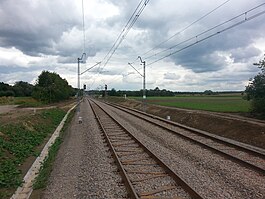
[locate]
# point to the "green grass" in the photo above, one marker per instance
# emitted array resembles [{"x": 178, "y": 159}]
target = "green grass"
[
  {"x": 216, "y": 103},
  {"x": 46, "y": 168},
  {"x": 44, "y": 173},
  {"x": 19, "y": 140},
  {"x": 21, "y": 101},
  {"x": 27, "y": 102}
]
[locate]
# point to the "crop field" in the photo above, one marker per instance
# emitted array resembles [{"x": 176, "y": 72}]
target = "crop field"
[{"x": 216, "y": 103}]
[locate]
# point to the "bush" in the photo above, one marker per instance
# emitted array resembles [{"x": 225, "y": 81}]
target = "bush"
[
  {"x": 256, "y": 90},
  {"x": 51, "y": 87}
]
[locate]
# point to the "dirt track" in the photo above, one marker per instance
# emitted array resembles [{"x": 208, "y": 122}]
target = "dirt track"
[{"x": 7, "y": 108}]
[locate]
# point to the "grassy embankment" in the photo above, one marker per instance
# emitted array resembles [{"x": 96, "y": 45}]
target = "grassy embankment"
[
  {"x": 217, "y": 103},
  {"x": 42, "y": 179},
  {"x": 20, "y": 101},
  {"x": 21, "y": 139}
]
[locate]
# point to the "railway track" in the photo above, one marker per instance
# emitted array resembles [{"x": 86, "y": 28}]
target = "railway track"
[
  {"x": 252, "y": 158},
  {"x": 143, "y": 173}
]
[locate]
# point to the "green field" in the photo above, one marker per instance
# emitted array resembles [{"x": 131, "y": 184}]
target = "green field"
[{"x": 216, "y": 103}]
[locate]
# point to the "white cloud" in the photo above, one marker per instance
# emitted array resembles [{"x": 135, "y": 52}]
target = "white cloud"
[
  {"x": 47, "y": 35},
  {"x": 15, "y": 57}
]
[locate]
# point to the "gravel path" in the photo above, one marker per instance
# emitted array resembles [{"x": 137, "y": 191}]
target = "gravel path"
[
  {"x": 210, "y": 174},
  {"x": 84, "y": 167}
]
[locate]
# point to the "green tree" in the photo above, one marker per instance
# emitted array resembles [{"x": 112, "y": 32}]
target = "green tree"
[
  {"x": 256, "y": 90},
  {"x": 6, "y": 90},
  {"x": 50, "y": 87},
  {"x": 208, "y": 92},
  {"x": 112, "y": 92},
  {"x": 22, "y": 89}
]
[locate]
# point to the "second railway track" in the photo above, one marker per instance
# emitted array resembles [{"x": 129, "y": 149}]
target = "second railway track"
[
  {"x": 144, "y": 174},
  {"x": 250, "y": 158}
]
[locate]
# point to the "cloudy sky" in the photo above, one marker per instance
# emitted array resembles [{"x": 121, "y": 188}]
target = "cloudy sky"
[{"x": 38, "y": 35}]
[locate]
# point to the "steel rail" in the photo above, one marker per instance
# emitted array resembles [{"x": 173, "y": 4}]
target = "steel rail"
[
  {"x": 128, "y": 183},
  {"x": 129, "y": 187},
  {"x": 256, "y": 151},
  {"x": 200, "y": 133}
]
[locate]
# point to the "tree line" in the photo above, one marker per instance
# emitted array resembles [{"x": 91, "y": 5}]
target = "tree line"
[
  {"x": 49, "y": 87},
  {"x": 20, "y": 89},
  {"x": 139, "y": 93}
]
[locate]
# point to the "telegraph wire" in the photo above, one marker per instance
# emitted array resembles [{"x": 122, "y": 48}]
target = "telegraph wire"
[{"x": 218, "y": 32}]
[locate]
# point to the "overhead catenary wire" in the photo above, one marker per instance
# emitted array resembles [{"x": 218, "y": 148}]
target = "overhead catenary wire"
[
  {"x": 218, "y": 32},
  {"x": 132, "y": 20},
  {"x": 188, "y": 26},
  {"x": 84, "y": 35},
  {"x": 204, "y": 32},
  {"x": 136, "y": 14},
  {"x": 90, "y": 68},
  {"x": 245, "y": 19},
  {"x": 135, "y": 69},
  {"x": 122, "y": 30},
  {"x": 182, "y": 30},
  {"x": 198, "y": 40}
]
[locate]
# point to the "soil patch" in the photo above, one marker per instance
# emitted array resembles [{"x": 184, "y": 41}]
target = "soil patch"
[{"x": 7, "y": 108}]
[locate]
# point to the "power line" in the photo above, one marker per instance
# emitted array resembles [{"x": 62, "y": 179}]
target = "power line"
[
  {"x": 218, "y": 32},
  {"x": 84, "y": 35},
  {"x": 237, "y": 23},
  {"x": 90, "y": 68},
  {"x": 136, "y": 14},
  {"x": 212, "y": 35},
  {"x": 194, "y": 22},
  {"x": 123, "y": 30}
]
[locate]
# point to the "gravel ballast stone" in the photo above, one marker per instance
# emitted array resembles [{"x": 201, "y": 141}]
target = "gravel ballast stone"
[
  {"x": 210, "y": 174},
  {"x": 84, "y": 167}
]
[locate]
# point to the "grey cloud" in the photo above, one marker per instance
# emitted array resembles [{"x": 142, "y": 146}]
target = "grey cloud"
[
  {"x": 55, "y": 28},
  {"x": 243, "y": 54},
  {"x": 171, "y": 76},
  {"x": 12, "y": 69},
  {"x": 15, "y": 69},
  {"x": 202, "y": 57},
  {"x": 33, "y": 27}
]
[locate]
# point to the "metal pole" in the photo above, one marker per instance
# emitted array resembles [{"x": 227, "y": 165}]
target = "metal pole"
[
  {"x": 79, "y": 60},
  {"x": 78, "y": 83},
  {"x": 144, "y": 90},
  {"x": 106, "y": 88}
]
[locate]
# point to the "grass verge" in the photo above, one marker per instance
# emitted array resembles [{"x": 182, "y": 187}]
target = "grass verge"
[
  {"x": 20, "y": 139},
  {"x": 46, "y": 168}
]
